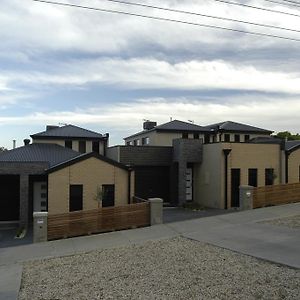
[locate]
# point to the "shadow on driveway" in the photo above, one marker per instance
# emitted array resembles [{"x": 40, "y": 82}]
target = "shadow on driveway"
[
  {"x": 7, "y": 237},
  {"x": 176, "y": 214}
]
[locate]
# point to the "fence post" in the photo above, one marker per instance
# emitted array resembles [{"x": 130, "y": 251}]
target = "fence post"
[
  {"x": 246, "y": 197},
  {"x": 156, "y": 211},
  {"x": 40, "y": 227}
]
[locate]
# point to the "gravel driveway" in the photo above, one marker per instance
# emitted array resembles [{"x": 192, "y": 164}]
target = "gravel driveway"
[{"x": 168, "y": 269}]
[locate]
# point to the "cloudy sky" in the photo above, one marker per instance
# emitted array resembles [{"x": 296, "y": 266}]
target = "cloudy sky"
[{"x": 107, "y": 72}]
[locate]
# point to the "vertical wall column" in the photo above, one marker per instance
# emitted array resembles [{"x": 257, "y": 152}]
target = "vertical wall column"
[
  {"x": 24, "y": 198},
  {"x": 181, "y": 182}
]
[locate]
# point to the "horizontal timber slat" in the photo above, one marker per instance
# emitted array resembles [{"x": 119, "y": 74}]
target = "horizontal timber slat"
[
  {"x": 98, "y": 220},
  {"x": 276, "y": 194}
]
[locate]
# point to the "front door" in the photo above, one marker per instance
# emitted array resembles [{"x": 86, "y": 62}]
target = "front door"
[
  {"x": 189, "y": 184},
  {"x": 235, "y": 187},
  {"x": 40, "y": 196}
]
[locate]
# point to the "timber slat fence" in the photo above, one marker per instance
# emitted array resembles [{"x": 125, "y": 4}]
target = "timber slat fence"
[
  {"x": 98, "y": 220},
  {"x": 276, "y": 194}
]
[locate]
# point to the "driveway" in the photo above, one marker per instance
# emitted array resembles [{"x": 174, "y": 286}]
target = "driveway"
[
  {"x": 177, "y": 214},
  {"x": 7, "y": 237}
]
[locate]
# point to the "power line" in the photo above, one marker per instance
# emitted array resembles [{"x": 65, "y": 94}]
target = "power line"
[
  {"x": 284, "y": 3},
  {"x": 257, "y": 7},
  {"x": 202, "y": 15},
  {"x": 296, "y": 2},
  {"x": 167, "y": 19}
]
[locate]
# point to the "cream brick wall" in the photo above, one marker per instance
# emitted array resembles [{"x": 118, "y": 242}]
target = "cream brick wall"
[
  {"x": 294, "y": 164},
  {"x": 91, "y": 173},
  {"x": 209, "y": 178}
]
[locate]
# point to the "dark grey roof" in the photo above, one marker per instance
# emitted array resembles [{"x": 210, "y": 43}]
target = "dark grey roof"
[
  {"x": 68, "y": 131},
  {"x": 174, "y": 126},
  {"x": 38, "y": 152},
  {"x": 267, "y": 140},
  {"x": 291, "y": 145},
  {"x": 238, "y": 127}
]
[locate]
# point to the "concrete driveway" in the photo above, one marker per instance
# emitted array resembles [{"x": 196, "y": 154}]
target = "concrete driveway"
[{"x": 7, "y": 237}]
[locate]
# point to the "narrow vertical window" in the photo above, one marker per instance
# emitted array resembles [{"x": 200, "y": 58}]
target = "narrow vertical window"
[
  {"x": 82, "y": 146},
  {"x": 226, "y": 137},
  {"x": 252, "y": 177},
  {"x": 269, "y": 176},
  {"x": 108, "y": 195},
  {"x": 76, "y": 197},
  {"x": 237, "y": 138},
  {"x": 95, "y": 147},
  {"x": 247, "y": 137}
]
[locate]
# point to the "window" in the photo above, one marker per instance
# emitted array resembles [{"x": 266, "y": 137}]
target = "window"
[
  {"x": 136, "y": 142},
  {"x": 108, "y": 195},
  {"x": 269, "y": 176},
  {"x": 196, "y": 136},
  {"x": 95, "y": 147},
  {"x": 247, "y": 137},
  {"x": 129, "y": 143},
  {"x": 252, "y": 177},
  {"x": 206, "y": 138},
  {"x": 237, "y": 138},
  {"x": 82, "y": 146},
  {"x": 145, "y": 141},
  {"x": 185, "y": 135},
  {"x": 226, "y": 137},
  {"x": 75, "y": 200},
  {"x": 68, "y": 144}
]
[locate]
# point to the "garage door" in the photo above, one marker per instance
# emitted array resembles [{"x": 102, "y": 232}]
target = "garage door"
[
  {"x": 9, "y": 197},
  {"x": 152, "y": 182}
]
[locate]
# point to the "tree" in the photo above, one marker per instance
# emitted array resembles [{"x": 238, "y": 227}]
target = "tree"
[
  {"x": 288, "y": 135},
  {"x": 2, "y": 149}
]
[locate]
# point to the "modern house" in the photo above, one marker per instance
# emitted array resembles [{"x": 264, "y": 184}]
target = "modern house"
[
  {"x": 49, "y": 176},
  {"x": 69, "y": 168},
  {"x": 183, "y": 162}
]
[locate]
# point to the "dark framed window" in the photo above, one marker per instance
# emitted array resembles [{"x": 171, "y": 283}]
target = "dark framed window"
[
  {"x": 247, "y": 137},
  {"x": 69, "y": 144},
  {"x": 108, "y": 195},
  {"x": 206, "y": 138},
  {"x": 196, "y": 136},
  {"x": 269, "y": 176},
  {"x": 145, "y": 141},
  {"x": 227, "y": 137},
  {"x": 76, "y": 197},
  {"x": 129, "y": 143},
  {"x": 95, "y": 147},
  {"x": 185, "y": 135},
  {"x": 252, "y": 177},
  {"x": 82, "y": 146},
  {"x": 136, "y": 142},
  {"x": 237, "y": 138}
]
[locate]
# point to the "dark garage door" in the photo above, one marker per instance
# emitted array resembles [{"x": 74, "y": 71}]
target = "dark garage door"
[
  {"x": 152, "y": 182},
  {"x": 9, "y": 197}
]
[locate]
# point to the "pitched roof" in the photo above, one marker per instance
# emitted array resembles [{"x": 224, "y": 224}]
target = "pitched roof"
[
  {"x": 85, "y": 156},
  {"x": 234, "y": 126},
  {"x": 38, "y": 152},
  {"x": 292, "y": 145},
  {"x": 174, "y": 126},
  {"x": 67, "y": 131}
]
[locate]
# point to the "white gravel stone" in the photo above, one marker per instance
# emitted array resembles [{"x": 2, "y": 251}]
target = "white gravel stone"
[{"x": 168, "y": 269}]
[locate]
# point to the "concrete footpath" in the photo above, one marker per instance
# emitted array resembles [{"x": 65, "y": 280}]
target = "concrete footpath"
[{"x": 239, "y": 231}]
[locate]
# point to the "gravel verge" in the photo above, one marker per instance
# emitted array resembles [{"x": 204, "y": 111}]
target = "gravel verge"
[
  {"x": 291, "y": 222},
  {"x": 176, "y": 268}
]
